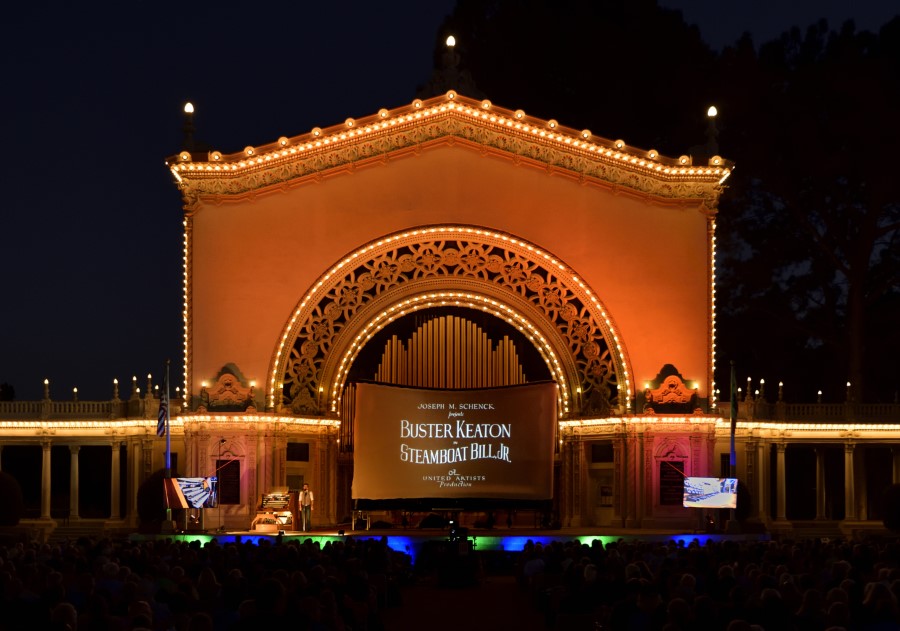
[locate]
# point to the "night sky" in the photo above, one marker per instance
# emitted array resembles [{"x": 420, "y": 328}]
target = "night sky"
[{"x": 92, "y": 105}]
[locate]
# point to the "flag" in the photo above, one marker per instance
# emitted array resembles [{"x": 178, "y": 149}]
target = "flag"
[
  {"x": 162, "y": 421},
  {"x": 734, "y": 415}
]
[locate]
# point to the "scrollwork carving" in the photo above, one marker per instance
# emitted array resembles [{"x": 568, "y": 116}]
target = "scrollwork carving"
[
  {"x": 401, "y": 264},
  {"x": 450, "y": 127}
]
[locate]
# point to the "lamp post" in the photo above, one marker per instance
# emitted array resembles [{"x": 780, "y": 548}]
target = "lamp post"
[{"x": 188, "y": 128}]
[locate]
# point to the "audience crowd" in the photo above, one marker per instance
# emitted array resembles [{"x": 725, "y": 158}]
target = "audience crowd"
[
  {"x": 728, "y": 585},
  {"x": 153, "y": 585},
  {"x": 114, "y": 585}
]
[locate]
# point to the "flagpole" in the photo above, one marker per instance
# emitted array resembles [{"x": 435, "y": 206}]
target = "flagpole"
[
  {"x": 732, "y": 526},
  {"x": 164, "y": 416},
  {"x": 734, "y": 410},
  {"x": 169, "y": 435}
]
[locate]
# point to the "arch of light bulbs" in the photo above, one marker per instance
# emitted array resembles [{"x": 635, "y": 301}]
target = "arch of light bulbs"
[
  {"x": 451, "y": 299},
  {"x": 797, "y": 430},
  {"x": 713, "y": 399},
  {"x": 616, "y": 152},
  {"x": 589, "y": 299}
]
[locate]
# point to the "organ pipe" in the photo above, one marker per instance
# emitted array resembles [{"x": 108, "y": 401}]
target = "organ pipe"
[
  {"x": 445, "y": 352},
  {"x": 450, "y": 352}
]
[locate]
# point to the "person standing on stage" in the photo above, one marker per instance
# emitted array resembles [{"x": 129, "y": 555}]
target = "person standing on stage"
[{"x": 306, "y": 506}]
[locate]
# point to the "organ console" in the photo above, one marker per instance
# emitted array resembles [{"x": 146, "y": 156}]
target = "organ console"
[{"x": 277, "y": 510}]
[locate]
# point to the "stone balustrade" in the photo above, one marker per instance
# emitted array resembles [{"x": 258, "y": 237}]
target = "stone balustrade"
[{"x": 816, "y": 412}]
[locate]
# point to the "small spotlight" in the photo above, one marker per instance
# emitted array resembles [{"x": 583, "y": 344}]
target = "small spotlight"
[{"x": 340, "y": 533}]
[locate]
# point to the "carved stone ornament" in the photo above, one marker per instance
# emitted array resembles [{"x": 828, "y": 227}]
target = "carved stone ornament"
[
  {"x": 320, "y": 336},
  {"x": 227, "y": 395},
  {"x": 447, "y": 120},
  {"x": 672, "y": 396}
]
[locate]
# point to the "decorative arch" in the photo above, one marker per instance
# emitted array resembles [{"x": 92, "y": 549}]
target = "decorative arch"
[
  {"x": 475, "y": 266},
  {"x": 387, "y": 309}
]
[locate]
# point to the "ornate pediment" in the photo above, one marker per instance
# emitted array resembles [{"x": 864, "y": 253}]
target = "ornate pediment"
[
  {"x": 228, "y": 394},
  {"x": 671, "y": 395},
  {"x": 449, "y": 119}
]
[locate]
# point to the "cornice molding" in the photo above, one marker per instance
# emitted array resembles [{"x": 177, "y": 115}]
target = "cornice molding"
[{"x": 447, "y": 120}]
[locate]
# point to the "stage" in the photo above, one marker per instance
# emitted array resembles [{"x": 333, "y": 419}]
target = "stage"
[{"x": 413, "y": 540}]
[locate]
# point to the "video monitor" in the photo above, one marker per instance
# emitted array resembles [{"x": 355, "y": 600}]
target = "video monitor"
[
  {"x": 193, "y": 492},
  {"x": 454, "y": 445},
  {"x": 710, "y": 492}
]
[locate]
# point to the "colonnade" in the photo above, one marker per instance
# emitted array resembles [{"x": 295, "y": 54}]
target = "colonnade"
[
  {"x": 74, "y": 480},
  {"x": 704, "y": 450},
  {"x": 635, "y": 455},
  {"x": 855, "y": 498},
  {"x": 133, "y": 458}
]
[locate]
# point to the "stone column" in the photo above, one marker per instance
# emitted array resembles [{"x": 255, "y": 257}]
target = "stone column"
[
  {"x": 136, "y": 477},
  {"x": 849, "y": 483},
  {"x": 323, "y": 512},
  {"x": 763, "y": 478},
  {"x": 781, "y": 500},
  {"x": 860, "y": 483},
  {"x": 629, "y": 484},
  {"x": 641, "y": 481},
  {"x": 820, "y": 482},
  {"x": 576, "y": 469},
  {"x": 332, "y": 438},
  {"x": 115, "y": 506},
  {"x": 261, "y": 461},
  {"x": 751, "y": 477},
  {"x": 146, "y": 458},
  {"x": 131, "y": 480},
  {"x": 277, "y": 453},
  {"x": 618, "y": 486},
  {"x": 73, "y": 481},
  {"x": 45, "y": 479}
]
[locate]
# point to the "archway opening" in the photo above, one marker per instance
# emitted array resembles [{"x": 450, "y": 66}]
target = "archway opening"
[
  {"x": 452, "y": 347},
  {"x": 448, "y": 347}
]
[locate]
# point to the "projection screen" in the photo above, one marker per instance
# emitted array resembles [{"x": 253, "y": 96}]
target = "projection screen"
[{"x": 413, "y": 443}]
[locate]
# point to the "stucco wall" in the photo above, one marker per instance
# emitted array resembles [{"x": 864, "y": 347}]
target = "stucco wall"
[{"x": 254, "y": 259}]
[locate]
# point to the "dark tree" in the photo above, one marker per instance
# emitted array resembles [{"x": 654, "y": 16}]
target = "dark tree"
[
  {"x": 617, "y": 67},
  {"x": 7, "y": 392},
  {"x": 808, "y": 232},
  {"x": 811, "y": 235}
]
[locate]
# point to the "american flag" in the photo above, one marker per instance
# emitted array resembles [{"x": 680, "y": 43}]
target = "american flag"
[
  {"x": 732, "y": 460},
  {"x": 163, "y": 408}
]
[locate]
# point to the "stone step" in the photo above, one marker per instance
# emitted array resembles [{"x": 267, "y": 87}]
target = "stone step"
[
  {"x": 819, "y": 529},
  {"x": 74, "y": 531}
]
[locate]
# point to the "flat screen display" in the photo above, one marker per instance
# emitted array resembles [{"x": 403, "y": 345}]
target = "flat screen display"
[
  {"x": 193, "y": 492},
  {"x": 415, "y": 443},
  {"x": 710, "y": 492}
]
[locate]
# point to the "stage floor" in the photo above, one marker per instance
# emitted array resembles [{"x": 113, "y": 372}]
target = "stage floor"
[{"x": 412, "y": 540}]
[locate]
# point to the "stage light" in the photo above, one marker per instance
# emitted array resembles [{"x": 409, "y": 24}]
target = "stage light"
[{"x": 454, "y": 531}]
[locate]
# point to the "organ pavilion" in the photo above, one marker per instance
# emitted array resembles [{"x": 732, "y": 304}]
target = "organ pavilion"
[{"x": 451, "y": 244}]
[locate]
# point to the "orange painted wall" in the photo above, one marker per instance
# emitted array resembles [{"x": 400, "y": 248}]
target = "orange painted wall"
[{"x": 254, "y": 260}]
